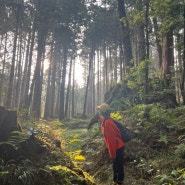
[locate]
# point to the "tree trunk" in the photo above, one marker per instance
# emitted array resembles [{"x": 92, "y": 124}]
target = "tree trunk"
[
  {"x": 93, "y": 108},
  {"x": 73, "y": 93},
  {"x": 168, "y": 60},
  {"x": 125, "y": 33},
  {"x": 105, "y": 69},
  {"x": 25, "y": 71},
  {"x": 98, "y": 78},
  {"x": 159, "y": 48},
  {"x": 147, "y": 49},
  {"x": 19, "y": 75},
  {"x": 2, "y": 77},
  {"x": 48, "y": 92},
  {"x": 12, "y": 70},
  {"x": 121, "y": 62},
  {"x": 62, "y": 88},
  {"x": 183, "y": 73},
  {"x": 26, "y": 95},
  {"x": 68, "y": 90},
  {"x": 141, "y": 43},
  {"x": 19, "y": 13},
  {"x": 53, "y": 79},
  {"x": 36, "y": 107},
  {"x": 88, "y": 79}
]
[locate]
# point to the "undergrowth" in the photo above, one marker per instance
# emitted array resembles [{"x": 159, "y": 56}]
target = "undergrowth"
[
  {"x": 156, "y": 153},
  {"x": 154, "y": 156}
]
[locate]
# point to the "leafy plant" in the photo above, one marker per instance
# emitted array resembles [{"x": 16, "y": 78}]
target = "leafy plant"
[
  {"x": 116, "y": 116},
  {"x": 76, "y": 155},
  {"x": 163, "y": 138},
  {"x": 12, "y": 174},
  {"x": 175, "y": 177},
  {"x": 15, "y": 139},
  {"x": 180, "y": 150}
]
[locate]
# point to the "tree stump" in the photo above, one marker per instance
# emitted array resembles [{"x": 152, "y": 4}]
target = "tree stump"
[{"x": 8, "y": 123}]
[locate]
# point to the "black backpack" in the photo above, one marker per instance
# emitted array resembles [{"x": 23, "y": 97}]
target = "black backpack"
[{"x": 125, "y": 133}]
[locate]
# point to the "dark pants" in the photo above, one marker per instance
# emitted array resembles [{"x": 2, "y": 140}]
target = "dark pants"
[{"x": 118, "y": 170}]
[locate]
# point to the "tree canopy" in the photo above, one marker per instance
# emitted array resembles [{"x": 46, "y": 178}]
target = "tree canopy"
[{"x": 139, "y": 44}]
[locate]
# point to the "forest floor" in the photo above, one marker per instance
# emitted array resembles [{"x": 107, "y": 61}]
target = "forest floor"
[
  {"x": 152, "y": 157},
  {"x": 67, "y": 153}
]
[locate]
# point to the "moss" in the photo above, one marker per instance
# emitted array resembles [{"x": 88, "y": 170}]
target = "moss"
[{"x": 70, "y": 176}]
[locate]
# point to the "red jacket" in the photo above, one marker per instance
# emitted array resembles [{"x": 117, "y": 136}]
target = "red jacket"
[{"x": 112, "y": 136}]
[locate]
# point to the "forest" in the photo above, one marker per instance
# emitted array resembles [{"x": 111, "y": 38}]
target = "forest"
[{"x": 59, "y": 59}]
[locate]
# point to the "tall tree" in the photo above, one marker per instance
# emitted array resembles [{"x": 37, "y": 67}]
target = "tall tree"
[
  {"x": 147, "y": 50},
  {"x": 91, "y": 56},
  {"x": 183, "y": 59},
  {"x": 125, "y": 33},
  {"x": 62, "y": 86},
  {"x": 67, "y": 110},
  {"x": 18, "y": 9},
  {"x": 166, "y": 13},
  {"x": 43, "y": 22}
]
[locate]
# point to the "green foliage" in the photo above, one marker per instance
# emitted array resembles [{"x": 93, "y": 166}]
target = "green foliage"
[
  {"x": 102, "y": 26},
  {"x": 74, "y": 139},
  {"x": 180, "y": 150},
  {"x": 123, "y": 97},
  {"x": 116, "y": 116},
  {"x": 163, "y": 138},
  {"x": 158, "y": 146},
  {"x": 154, "y": 114},
  {"x": 175, "y": 177},
  {"x": 56, "y": 123},
  {"x": 71, "y": 176},
  {"x": 124, "y": 21},
  {"x": 102, "y": 175},
  {"x": 13, "y": 174},
  {"x": 168, "y": 13},
  {"x": 136, "y": 80},
  {"x": 3, "y": 170},
  {"x": 76, "y": 155},
  {"x": 120, "y": 104},
  {"x": 15, "y": 139},
  {"x": 145, "y": 169},
  {"x": 45, "y": 133}
]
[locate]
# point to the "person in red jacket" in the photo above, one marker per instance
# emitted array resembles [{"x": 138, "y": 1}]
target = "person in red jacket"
[{"x": 113, "y": 142}]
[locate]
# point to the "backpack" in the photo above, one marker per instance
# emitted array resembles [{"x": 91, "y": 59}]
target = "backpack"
[{"x": 125, "y": 133}]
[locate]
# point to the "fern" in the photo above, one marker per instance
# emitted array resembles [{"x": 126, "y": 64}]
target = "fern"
[
  {"x": 22, "y": 174},
  {"x": 15, "y": 139}
]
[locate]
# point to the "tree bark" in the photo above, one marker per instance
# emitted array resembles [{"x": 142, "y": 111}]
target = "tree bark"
[
  {"x": 12, "y": 70},
  {"x": 36, "y": 107},
  {"x": 25, "y": 72},
  {"x": 88, "y": 79},
  {"x": 159, "y": 48},
  {"x": 68, "y": 91},
  {"x": 183, "y": 73},
  {"x": 73, "y": 93},
  {"x": 48, "y": 91},
  {"x": 147, "y": 50},
  {"x": 19, "y": 75},
  {"x": 2, "y": 78},
  {"x": 125, "y": 33},
  {"x": 168, "y": 59},
  {"x": 62, "y": 87},
  {"x": 28, "y": 96}
]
